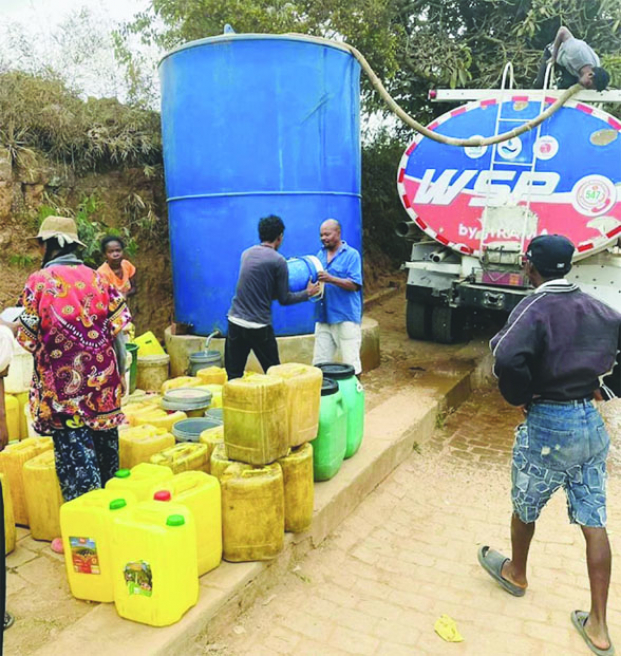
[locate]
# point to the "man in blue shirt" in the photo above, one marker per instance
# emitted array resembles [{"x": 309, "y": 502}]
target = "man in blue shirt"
[{"x": 339, "y": 313}]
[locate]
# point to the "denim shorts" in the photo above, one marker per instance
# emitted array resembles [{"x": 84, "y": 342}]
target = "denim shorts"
[{"x": 561, "y": 444}]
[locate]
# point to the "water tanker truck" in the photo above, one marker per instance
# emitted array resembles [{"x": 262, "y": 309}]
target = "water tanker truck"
[{"x": 479, "y": 207}]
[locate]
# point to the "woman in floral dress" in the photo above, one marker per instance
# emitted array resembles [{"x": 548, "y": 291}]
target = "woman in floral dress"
[{"x": 72, "y": 323}]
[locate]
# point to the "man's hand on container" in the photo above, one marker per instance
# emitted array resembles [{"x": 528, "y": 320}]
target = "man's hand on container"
[{"x": 313, "y": 288}]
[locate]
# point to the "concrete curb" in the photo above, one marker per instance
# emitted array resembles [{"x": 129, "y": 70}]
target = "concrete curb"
[{"x": 392, "y": 428}]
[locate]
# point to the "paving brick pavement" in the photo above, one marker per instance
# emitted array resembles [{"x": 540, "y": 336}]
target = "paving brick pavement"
[{"x": 408, "y": 555}]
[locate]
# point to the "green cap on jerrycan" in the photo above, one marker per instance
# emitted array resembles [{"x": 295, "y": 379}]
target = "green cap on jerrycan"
[
  {"x": 117, "y": 504},
  {"x": 122, "y": 473},
  {"x": 175, "y": 520}
]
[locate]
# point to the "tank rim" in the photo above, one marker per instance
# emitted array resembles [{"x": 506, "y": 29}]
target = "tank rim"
[{"x": 252, "y": 37}]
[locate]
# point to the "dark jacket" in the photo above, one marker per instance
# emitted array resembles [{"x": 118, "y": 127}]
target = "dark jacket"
[{"x": 556, "y": 344}]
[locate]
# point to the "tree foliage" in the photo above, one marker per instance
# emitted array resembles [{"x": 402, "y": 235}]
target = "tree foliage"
[{"x": 414, "y": 45}]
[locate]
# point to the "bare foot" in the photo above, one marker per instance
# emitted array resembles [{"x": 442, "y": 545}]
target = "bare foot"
[
  {"x": 597, "y": 634},
  {"x": 507, "y": 573}
]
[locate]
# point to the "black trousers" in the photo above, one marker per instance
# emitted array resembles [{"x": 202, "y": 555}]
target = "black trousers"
[
  {"x": 240, "y": 341},
  {"x": 563, "y": 77}
]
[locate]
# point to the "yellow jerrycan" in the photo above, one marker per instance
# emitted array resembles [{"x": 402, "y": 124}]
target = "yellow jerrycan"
[
  {"x": 253, "y": 513},
  {"x": 10, "y": 534},
  {"x": 182, "y": 457},
  {"x": 200, "y": 494},
  {"x": 216, "y": 394},
  {"x": 219, "y": 461},
  {"x": 154, "y": 563},
  {"x": 148, "y": 344},
  {"x": 180, "y": 381},
  {"x": 161, "y": 420},
  {"x": 23, "y": 400},
  {"x": 303, "y": 391},
  {"x": 211, "y": 438},
  {"x": 297, "y": 472},
  {"x": 43, "y": 496},
  {"x": 13, "y": 421},
  {"x": 139, "y": 443},
  {"x": 135, "y": 410},
  {"x": 212, "y": 376},
  {"x": 255, "y": 419},
  {"x": 12, "y": 459},
  {"x": 138, "y": 480},
  {"x": 86, "y": 528}
]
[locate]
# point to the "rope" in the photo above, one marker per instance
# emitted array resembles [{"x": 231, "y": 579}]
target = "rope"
[{"x": 450, "y": 141}]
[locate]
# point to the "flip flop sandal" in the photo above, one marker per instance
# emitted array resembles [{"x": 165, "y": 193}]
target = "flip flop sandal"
[
  {"x": 9, "y": 620},
  {"x": 578, "y": 619},
  {"x": 492, "y": 562}
]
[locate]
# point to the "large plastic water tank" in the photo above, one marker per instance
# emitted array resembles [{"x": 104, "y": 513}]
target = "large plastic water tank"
[{"x": 255, "y": 125}]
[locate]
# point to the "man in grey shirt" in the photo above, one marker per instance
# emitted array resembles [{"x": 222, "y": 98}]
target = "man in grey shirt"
[
  {"x": 263, "y": 278},
  {"x": 576, "y": 60}
]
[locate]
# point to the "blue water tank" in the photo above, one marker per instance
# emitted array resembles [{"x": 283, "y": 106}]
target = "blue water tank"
[{"x": 255, "y": 125}]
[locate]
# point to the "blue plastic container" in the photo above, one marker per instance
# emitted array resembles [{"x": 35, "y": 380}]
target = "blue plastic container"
[
  {"x": 301, "y": 269},
  {"x": 255, "y": 125}
]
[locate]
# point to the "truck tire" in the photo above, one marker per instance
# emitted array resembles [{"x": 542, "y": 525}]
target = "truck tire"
[
  {"x": 445, "y": 324},
  {"x": 418, "y": 320}
]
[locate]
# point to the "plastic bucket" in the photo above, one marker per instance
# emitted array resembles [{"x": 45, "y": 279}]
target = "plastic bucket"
[
  {"x": 189, "y": 430},
  {"x": 19, "y": 378},
  {"x": 191, "y": 400},
  {"x": 133, "y": 368},
  {"x": 215, "y": 414},
  {"x": 301, "y": 269},
  {"x": 152, "y": 372},
  {"x": 202, "y": 360}
]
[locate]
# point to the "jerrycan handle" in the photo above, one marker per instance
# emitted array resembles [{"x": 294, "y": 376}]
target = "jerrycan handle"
[
  {"x": 184, "y": 447},
  {"x": 187, "y": 483},
  {"x": 252, "y": 473}
]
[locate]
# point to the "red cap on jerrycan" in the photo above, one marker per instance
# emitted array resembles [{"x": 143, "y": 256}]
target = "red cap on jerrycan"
[{"x": 162, "y": 495}]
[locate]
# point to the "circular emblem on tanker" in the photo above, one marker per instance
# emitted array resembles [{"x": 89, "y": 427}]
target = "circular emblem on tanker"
[
  {"x": 546, "y": 147},
  {"x": 474, "y": 152},
  {"x": 510, "y": 149},
  {"x": 593, "y": 195}
]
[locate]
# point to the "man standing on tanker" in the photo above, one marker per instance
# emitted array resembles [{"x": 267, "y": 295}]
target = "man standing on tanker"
[
  {"x": 549, "y": 359},
  {"x": 263, "y": 278},
  {"x": 339, "y": 313}
]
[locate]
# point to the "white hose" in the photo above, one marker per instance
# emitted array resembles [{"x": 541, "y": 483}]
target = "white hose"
[{"x": 451, "y": 141}]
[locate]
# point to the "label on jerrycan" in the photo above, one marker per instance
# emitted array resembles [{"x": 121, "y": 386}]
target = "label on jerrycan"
[
  {"x": 84, "y": 555},
  {"x": 573, "y": 187}
]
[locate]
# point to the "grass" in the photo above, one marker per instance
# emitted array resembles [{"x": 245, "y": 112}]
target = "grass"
[{"x": 40, "y": 114}]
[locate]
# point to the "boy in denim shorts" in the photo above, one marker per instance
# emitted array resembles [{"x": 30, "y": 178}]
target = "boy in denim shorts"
[{"x": 549, "y": 360}]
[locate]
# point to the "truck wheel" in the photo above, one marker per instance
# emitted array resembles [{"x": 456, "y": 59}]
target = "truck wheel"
[
  {"x": 445, "y": 324},
  {"x": 418, "y": 320}
]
